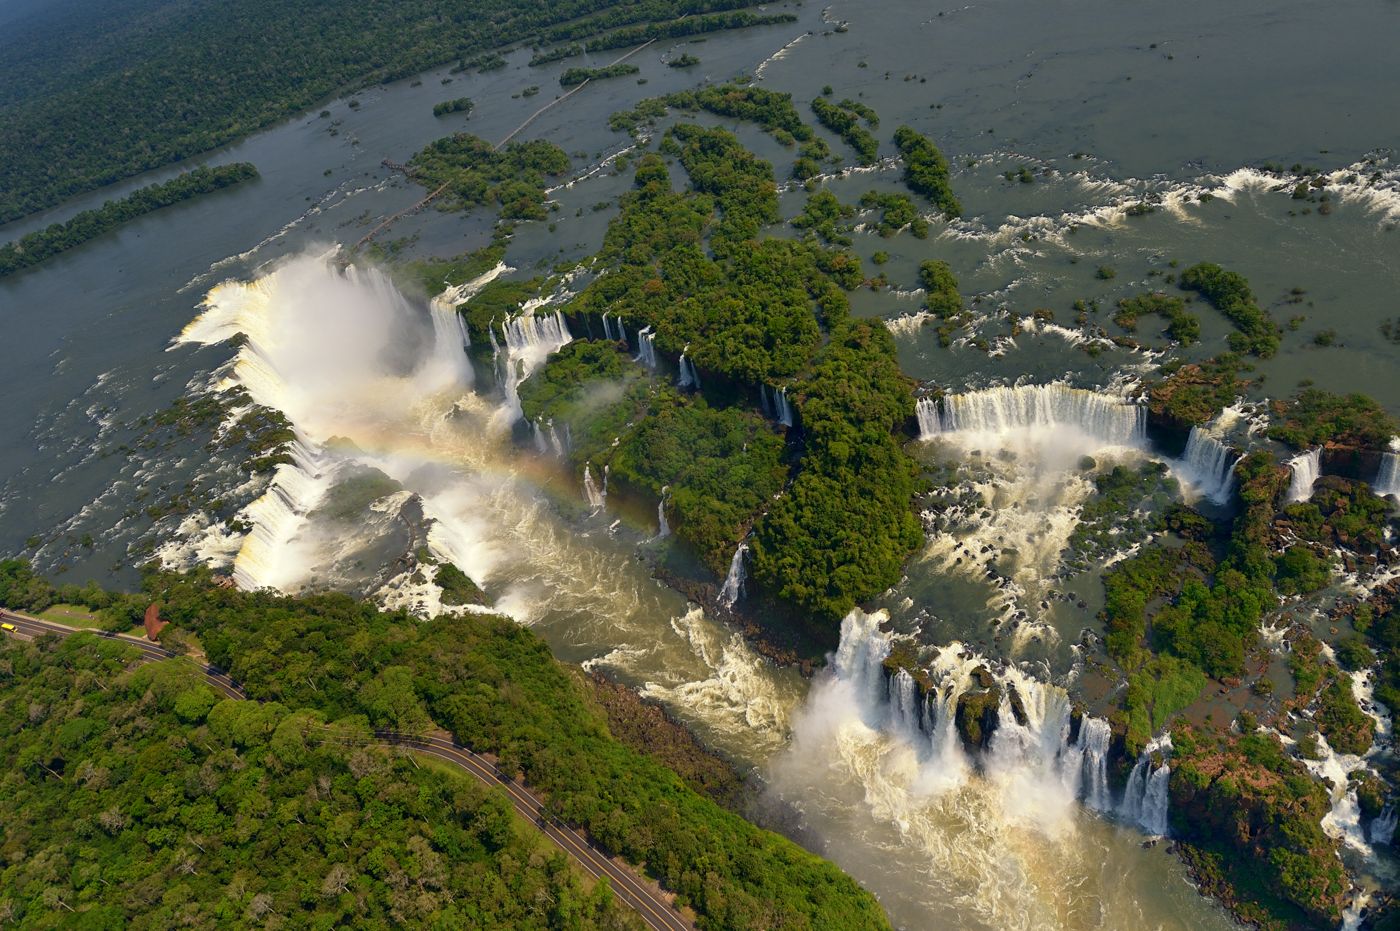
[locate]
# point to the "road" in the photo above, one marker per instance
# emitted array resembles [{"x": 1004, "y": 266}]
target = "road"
[{"x": 643, "y": 898}]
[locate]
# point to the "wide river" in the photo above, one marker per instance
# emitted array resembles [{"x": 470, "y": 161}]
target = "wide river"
[{"x": 1104, "y": 105}]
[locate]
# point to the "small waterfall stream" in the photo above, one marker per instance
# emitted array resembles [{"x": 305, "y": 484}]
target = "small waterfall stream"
[
  {"x": 1306, "y": 469},
  {"x": 733, "y": 587},
  {"x": 646, "y": 353},
  {"x": 596, "y": 499}
]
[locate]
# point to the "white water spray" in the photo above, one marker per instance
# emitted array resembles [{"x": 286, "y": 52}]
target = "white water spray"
[
  {"x": 733, "y": 587},
  {"x": 1306, "y": 469},
  {"x": 1145, "y": 800},
  {"x": 1208, "y": 465}
]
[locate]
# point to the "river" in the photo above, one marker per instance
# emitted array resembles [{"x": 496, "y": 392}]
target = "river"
[{"x": 1106, "y": 107}]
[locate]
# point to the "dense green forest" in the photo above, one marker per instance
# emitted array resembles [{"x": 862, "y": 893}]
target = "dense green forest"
[
  {"x": 770, "y": 312},
  {"x": 573, "y": 77},
  {"x": 1191, "y": 606},
  {"x": 81, "y": 107},
  {"x": 59, "y": 237},
  {"x": 496, "y": 687},
  {"x": 134, "y": 794},
  {"x": 476, "y": 173}
]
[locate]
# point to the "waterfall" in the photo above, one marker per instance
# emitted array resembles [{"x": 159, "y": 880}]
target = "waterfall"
[
  {"x": 1145, "y": 799},
  {"x": 541, "y": 444},
  {"x": 1383, "y": 827},
  {"x": 1208, "y": 464},
  {"x": 663, "y": 529},
  {"x": 450, "y": 342},
  {"x": 560, "y": 446},
  {"x": 689, "y": 378},
  {"x": 930, "y": 422},
  {"x": 1306, "y": 469},
  {"x": 1045, "y": 409},
  {"x": 590, "y": 490},
  {"x": 1087, "y": 763},
  {"x": 734, "y": 581},
  {"x": 606, "y": 469},
  {"x": 782, "y": 408},
  {"x": 1388, "y": 478},
  {"x": 646, "y": 353},
  {"x": 529, "y": 339}
]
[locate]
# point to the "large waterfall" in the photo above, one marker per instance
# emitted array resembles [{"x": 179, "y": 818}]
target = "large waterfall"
[
  {"x": 321, "y": 345},
  {"x": 1145, "y": 799},
  {"x": 930, "y": 420},
  {"x": 1036, "y": 769},
  {"x": 1388, "y": 476},
  {"x": 663, "y": 529},
  {"x": 529, "y": 339},
  {"x": 1042, "y": 412},
  {"x": 1208, "y": 465},
  {"x": 733, "y": 586},
  {"x": 688, "y": 377},
  {"x": 1382, "y": 829},
  {"x": 1306, "y": 469}
]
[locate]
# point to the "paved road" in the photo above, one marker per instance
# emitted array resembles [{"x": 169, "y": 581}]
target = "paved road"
[
  {"x": 646, "y": 900},
  {"x": 34, "y": 627}
]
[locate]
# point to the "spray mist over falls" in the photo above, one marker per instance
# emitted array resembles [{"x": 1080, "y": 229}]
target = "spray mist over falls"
[
  {"x": 993, "y": 838},
  {"x": 998, "y": 837},
  {"x": 392, "y": 440}
]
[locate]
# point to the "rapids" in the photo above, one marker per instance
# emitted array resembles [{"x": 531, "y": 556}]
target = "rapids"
[{"x": 1001, "y": 839}]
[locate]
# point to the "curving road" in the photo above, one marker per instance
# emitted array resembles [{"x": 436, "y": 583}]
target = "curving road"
[{"x": 646, "y": 900}]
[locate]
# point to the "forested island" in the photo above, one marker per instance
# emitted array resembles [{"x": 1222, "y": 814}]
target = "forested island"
[
  {"x": 35, "y": 247},
  {"x": 189, "y": 80}
]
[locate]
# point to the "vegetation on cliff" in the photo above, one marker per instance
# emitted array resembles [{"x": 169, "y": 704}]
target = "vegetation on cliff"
[
  {"x": 494, "y": 685},
  {"x": 1194, "y": 394},
  {"x": 35, "y": 247},
  {"x": 772, "y": 312},
  {"x": 1315, "y": 417},
  {"x": 136, "y": 795}
]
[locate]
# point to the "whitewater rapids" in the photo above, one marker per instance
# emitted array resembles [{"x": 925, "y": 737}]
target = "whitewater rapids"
[{"x": 369, "y": 380}]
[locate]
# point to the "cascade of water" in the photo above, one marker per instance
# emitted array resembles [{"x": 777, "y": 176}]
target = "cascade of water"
[
  {"x": 1388, "y": 476},
  {"x": 1306, "y": 469},
  {"x": 663, "y": 529},
  {"x": 606, "y": 469},
  {"x": 1086, "y": 763},
  {"x": 450, "y": 342},
  {"x": 622, "y": 334},
  {"x": 930, "y": 421},
  {"x": 1383, "y": 827},
  {"x": 1105, "y": 418},
  {"x": 1208, "y": 464},
  {"x": 541, "y": 444},
  {"x": 560, "y": 446},
  {"x": 782, "y": 407},
  {"x": 1145, "y": 799},
  {"x": 688, "y": 378},
  {"x": 646, "y": 353},
  {"x": 529, "y": 339},
  {"x": 590, "y": 490},
  {"x": 734, "y": 582}
]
